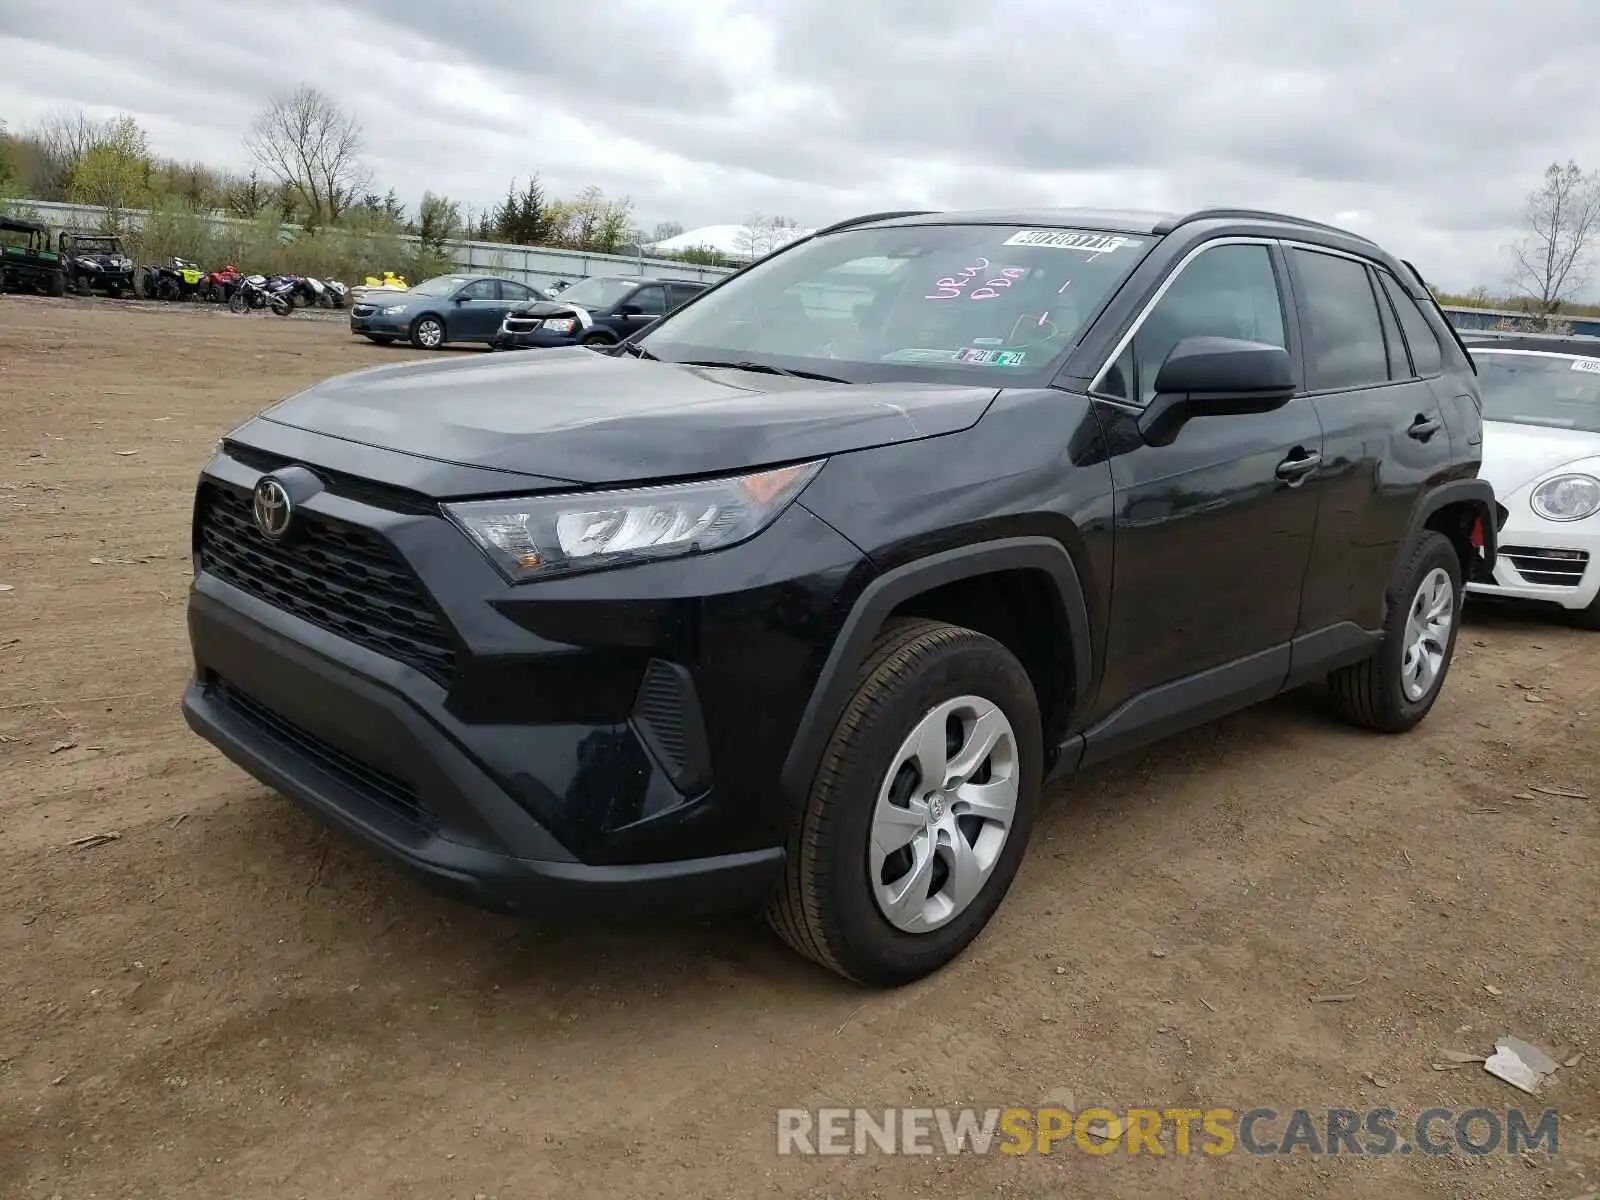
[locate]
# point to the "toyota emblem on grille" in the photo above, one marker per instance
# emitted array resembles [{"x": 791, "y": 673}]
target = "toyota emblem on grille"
[{"x": 272, "y": 509}]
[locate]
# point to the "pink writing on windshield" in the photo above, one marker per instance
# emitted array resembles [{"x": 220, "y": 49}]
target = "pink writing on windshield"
[{"x": 953, "y": 287}]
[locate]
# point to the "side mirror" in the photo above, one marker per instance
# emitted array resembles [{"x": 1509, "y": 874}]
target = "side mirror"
[
  {"x": 1214, "y": 377},
  {"x": 629, "y": 310}
]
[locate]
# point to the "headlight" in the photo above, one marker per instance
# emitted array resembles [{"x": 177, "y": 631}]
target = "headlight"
[
  {"x": 561, "y": 324},
  {"x": 538, "y": 537},
  {"x": 1567, "y": 498},
  {"x": 392, "y": 310}
]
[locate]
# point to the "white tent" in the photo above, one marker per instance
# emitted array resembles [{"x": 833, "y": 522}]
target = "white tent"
[{"x": 732, "y": 241}]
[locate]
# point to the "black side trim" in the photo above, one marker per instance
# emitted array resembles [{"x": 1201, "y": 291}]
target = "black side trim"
[
  {"x": 668, "y": 719},
  {"x": 893, "y": 588},
  {"x": 1185, "y": 703},
  {"x": 1313, "y": 655},
  {"x": 1458, "y": 491}
]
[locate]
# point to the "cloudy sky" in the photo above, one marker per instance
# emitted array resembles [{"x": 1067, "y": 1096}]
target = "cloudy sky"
[{"x": 1421, "y": 122}]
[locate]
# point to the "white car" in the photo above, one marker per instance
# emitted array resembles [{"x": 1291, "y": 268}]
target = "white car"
[{"x": 1541, "y": 452}]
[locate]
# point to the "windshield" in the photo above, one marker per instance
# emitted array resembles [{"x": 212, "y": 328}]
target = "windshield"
[
  {"x": 440, "y": 285},
  {"x": 598, "y": 293},
  {"x": 1557, "y": 390},
  {"x": 998, "y": 301},
  {"x": 96, "y": 245}
]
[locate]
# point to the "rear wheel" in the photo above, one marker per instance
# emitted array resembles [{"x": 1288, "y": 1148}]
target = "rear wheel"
[
  {"x": 57, "y": 285},
  {"x": 921, "y": 809},
  {"x": 166, "y": 288},
  {"x": 1395, "y": 688},
  {"x": 427, "y": 333}
]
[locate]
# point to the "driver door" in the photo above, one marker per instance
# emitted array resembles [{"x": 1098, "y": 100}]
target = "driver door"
[
  {"x": 1213, "y": 532},
  {"x": 478, "y": 311},
  {"x": 642, "y": 309}
]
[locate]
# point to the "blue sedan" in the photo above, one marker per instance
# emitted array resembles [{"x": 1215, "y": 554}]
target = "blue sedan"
[{"x": 444, "y": 309}]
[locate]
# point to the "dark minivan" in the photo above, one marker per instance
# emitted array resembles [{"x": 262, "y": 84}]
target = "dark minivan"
[{"x": 600, "y": 311}]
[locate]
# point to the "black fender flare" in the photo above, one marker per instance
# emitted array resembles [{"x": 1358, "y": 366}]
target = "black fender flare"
[
  {"x": 893, "y": 588},
  {"x": 1478, "y": 492}
]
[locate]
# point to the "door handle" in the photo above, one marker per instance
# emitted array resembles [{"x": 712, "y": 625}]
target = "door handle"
[
  {"x": 1297, "y": 466},
  {"x": 1423, "y": 428}
]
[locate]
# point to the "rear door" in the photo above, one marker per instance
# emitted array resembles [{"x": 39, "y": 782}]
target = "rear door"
[{"x": 1384, "y": 437}]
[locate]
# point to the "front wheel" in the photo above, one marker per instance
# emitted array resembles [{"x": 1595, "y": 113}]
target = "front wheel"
[
  {"x": 237, "y": 302},
  {"x": 1394, "y": 689},
  {"x": 281, "y": 305},
  {"x": 596, "y": 341},
  {"x": 921, "y": 809},
  {"x": 382, "y": 339},
  {"x": 428, "y": 333}
]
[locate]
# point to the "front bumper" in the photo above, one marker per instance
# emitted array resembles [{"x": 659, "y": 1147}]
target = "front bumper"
[
  {"x": 258, "y": 695},
  {"x": 611, "y": 741},
  {"x": 1550, "y": 561},
  {"x": 377, "y": 323},
  {"x": 533, "y": 339}
]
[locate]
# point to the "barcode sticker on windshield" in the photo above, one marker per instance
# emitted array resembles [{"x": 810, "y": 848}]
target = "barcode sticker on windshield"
[
  {"x": 1586, "y": 364},
  {"x": 1069, "y": 239}
]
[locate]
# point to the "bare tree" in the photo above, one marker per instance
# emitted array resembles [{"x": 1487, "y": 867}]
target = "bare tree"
[
  {"x": 1550, "y": 264},
  {"x": 312, "y": 147},
  {"x": 65, "y": 137}
]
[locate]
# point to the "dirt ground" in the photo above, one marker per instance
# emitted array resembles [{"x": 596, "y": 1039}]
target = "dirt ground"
[{"x": 227, "y": 1000}]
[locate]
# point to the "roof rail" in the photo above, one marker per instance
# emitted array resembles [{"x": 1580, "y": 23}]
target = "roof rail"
[
  {"x": 1243, "y": 214},
  {"x": 869, "y": 217}
]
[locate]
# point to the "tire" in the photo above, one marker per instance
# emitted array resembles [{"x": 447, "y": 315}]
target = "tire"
[
  {"x": 1588, "y": 618},
  {"x": 166, "y": 288},
  {"x": 237, "y": 303},
  {"x": 382, "y": 339},
  {"x": 427, "y": 333},
  {"x": 1376, "y": 693},
  {"x": 58, "y": 284},
  {"x": 218, "y": 294},
  {"x": 595, "y": 340},
  {"x": 281, "y": 306},
  {"x": 829, "y": 907}
]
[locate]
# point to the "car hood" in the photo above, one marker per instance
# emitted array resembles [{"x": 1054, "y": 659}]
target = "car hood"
[
  {"x": 1515, "y": 455},
  {"x": 548, "y": 308},
  {"x": 589, "y": 418}
]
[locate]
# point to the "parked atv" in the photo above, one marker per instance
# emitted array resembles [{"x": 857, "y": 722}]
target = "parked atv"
[
  {"x": 179, "y": 279},
  {"x": 218, "y": 285},
  {"x": 95, "y": 262},
  {"x": 27, "y": 263}
]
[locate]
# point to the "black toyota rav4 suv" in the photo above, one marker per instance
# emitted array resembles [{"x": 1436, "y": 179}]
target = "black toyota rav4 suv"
[{"x": 798, "y": 598}]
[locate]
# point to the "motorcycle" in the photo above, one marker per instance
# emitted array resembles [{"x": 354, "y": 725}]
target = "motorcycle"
[
  {"x": 258, "y": 291},
  {"x": 335, "y": 294}
]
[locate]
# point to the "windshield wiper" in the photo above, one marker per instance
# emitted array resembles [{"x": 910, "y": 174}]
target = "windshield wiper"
[
  {"x": 639, "y": 351},
  {"x": 764, "y": 368}
]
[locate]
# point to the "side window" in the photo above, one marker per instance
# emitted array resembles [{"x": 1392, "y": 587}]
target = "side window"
[
  {"x": 1344, "y": 344},
  {"x": 1399, "y": 364},
  {"x": 1426, "y": 356},
  {"x": 1228, "y": 291},
  {"x": 481, "y": 289},
  {"x": 514, "y": 291},
  {"x": 683, "y": 293},
  {"x": 650, "y": 301}
]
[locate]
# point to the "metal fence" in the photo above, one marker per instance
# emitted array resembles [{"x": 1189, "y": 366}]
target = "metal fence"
[{"x": 538, "y": 266}]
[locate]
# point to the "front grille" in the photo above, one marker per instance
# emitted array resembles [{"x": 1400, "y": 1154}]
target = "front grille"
[
  {"x": 1557, "y": 568},
  {"x": 363, "y": 310},
  {"x": 521, "y": 325},
  {"x": 340, "y": 577},
  {"x": 369, "y": 782}
]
